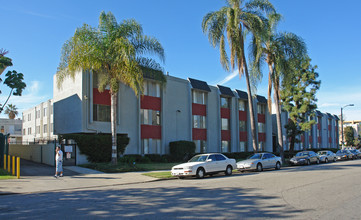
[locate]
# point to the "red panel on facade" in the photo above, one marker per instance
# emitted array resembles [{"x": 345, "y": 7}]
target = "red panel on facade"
[
  {"x": 242, "y": 115},
  {"x": 329, "y": 140},
  {"x": 225, "y": 113},
  {"x": 199, "y": 134},
  {"x": 319, "y": 139},
  {"x": 150, "y": 102},
  {"x": 262, "y": 137},
  {"x": 261, "y": 118},
  {"x": 329, "y": 127},
  {"x": 318, "y": 126},
  {"x": 310, "y": 139},
  {"x": 199, "y": 109},
  {"x": 302, "y": 138},
  {"x": 226, "y": 135},
  {"x": 101, "y": 98},
  {"x": 151, "y": 131},
  {"x": 243, "y": 136}
]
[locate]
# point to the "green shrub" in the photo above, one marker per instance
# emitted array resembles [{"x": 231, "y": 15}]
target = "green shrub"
[
  {"x": 182, "y": 150},
  {"x": 98, "y": 147}
]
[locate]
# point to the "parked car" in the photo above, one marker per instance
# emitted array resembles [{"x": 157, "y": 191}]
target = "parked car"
[
  {"x": 203, "y": 164},
  {"x": 305, "y": 157},
  {"x": 260, "y": 161},
  {"x": 326, "y": 156},
  {"x": 356, "y": 153},
  {"x": 344, "y": 155}
]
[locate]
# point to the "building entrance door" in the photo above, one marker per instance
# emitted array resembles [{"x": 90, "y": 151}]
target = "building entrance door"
[{"x": 69, "y": 151}]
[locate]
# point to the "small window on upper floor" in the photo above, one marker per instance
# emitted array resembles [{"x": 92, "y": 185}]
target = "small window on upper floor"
[
  {"x": 199, "y": 97},
  {"x": 242, "y": 105},
  {"x": 151, "y": 88},
  {"x": 261, "y": 109},
  {"x": 225, "y": 102}
]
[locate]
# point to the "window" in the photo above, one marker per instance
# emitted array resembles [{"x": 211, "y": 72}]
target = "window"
[
  {"x": 37, "y": 129},
  {"x": 225, "y": 102},
  {"x": 261, "y": 109},
  {"x": 243, "y": 146},
  {"x": 242, "y": 126},
  {"x": 145, "y": 146},
  {"x": 199, "y": 121},
  {"x": 24, "y": 131},
  {"x": 198, "y": 97},
  {"x": 261, "y": 146},
  {"x": 220, "y": 157},
  {"x": 29, "y": 131},
  {"x": 45, "y": 128},
  {"x": 149, "y": 117},
  {"x": 101, "y": 113},
  {"x": 29, "y": 117},
  {"x": 261, "y": 127},
  {"x": 201, "y": 146},
  {"x": 242, "y": 105},
  {"x": 51, "y": 109},
  {"x": 225, "y": 146},
  {"x": 45, "y": 110},
  {"x": 225, "y": 124},
  {"x": 151, "y": 88},
  {"x": 37, "y": 114}
]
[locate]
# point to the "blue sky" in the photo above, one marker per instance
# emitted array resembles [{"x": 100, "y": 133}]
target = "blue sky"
[{"x": 34, "y": 32}]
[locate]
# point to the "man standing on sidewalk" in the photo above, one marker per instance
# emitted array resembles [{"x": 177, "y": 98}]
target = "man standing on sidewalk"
[{"x": 59, "y": 162}]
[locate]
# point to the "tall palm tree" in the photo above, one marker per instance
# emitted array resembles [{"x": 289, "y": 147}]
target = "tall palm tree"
[
  {"x": 278, "y": 51},
  {"x": 11, "y": 110},
  {"x": 235, "y": 20},
  {"x": 116, "y": 53}
]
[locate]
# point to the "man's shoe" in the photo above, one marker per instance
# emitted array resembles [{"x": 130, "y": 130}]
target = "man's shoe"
[
  {"x": 61, "y": 175},
  {"x": 55, "y": 176}
]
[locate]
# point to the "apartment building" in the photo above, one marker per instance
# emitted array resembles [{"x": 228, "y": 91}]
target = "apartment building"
[
  {"x": 323, "y": 134},
  {"x": 38, "y": 123},
  {"x": 12, "y": 127},
  {"x": 216, "y": 118}
]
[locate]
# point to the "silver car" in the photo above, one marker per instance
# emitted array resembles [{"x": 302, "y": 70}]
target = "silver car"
[
  {"x": 326, "y": 156},
  {"x": 260, "y": 161}
]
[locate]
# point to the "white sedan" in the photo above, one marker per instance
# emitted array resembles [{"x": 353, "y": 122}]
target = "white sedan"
[
  {"x": 203, "y": 164},
  {"x": 259, "y": 161}
]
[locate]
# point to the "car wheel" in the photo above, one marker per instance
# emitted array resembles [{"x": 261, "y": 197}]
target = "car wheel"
[
  {"x": 200, "y": 173},
  {"x": 278, "y": 165},
  {"x": 318, "y": 161},
  {"x": 326, "y": 160},
  {"x": 308, "y": 162},
  {"x": 334, "y": 159},
  {"x": 181, "y": 177},
  {"x": 228, "y": 171},
  {"x": 259, "y": 167}
]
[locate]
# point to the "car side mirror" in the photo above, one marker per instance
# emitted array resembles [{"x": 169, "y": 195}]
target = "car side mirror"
[{"x": 209, "y": 160}]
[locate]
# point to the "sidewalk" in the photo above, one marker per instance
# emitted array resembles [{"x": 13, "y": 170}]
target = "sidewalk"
[{"x": 81, "y": 178}]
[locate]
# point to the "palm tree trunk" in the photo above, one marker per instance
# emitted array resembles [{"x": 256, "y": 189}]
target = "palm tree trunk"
[
  {"x": 279, "y": 122},
  {"x": 113, "y": 119},
  {"x": 269, "y": 101},
  {"x": 251, "y": 108}
]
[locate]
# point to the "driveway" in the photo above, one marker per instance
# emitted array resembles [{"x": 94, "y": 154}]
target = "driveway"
[{"x": 29, "y": 168}]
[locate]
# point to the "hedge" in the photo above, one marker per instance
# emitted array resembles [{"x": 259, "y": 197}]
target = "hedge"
[
  {"x": 182, "y": 150},
  {"x": 98, "y": 147}
]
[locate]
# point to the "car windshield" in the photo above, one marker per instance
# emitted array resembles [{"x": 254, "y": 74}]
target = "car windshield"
[
  {"x": 255, "y": 156},
  {"x": 199, "y": 158},
  {"x": 300, "y": 154},
  {"x": 341, "y": 152},
  {"x": 322, "y": 153}
]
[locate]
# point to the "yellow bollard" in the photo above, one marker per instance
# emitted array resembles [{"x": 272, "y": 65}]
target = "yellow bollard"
[
  {"x": 4, "y": 161},
  {"x": 18, "y": 167},
  {"x": 13, "y": 165},
  {"x": 9, "y": 163}
]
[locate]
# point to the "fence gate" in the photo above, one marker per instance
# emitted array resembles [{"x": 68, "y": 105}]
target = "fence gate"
[{"x": 69, "y": 151}]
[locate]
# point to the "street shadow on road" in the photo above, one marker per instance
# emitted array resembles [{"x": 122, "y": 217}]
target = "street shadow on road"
[{"x": 148, "y": 203}]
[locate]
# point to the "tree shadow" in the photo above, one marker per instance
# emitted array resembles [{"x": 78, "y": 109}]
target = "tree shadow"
[{"x": 147, "y": 203}]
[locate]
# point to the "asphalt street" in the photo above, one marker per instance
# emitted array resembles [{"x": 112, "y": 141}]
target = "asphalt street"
[{"x": 326, "y": 191}]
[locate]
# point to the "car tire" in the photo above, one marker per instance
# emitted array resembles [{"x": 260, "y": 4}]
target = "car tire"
[
  {"x": 308, "y": 162},
  {"x": 278, "y": 166},
  {"x": 259, "y": 167},
  {"x": 334, "y": 159},
  {"x": 326, "y": 160},
  {"x": 228, "y": 171},
  {"x": 200, "y": 173},
  {"x": 181, "y": 177},
  {"x": 318, "y": 161}
]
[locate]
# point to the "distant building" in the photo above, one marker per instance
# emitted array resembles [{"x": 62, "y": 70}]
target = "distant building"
[
  {"x": 323, "y": 134},
  {"x": 38, "y": 123},
  {"x": 356, "y": 125},
  {"x": 12, "y": 127}
]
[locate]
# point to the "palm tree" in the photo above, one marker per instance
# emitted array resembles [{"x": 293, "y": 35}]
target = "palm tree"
[
  {"x": 116, "y": 53},
  {"x": 278, "y": 51},
  {"x": 11, "y": 110},
  {"x": 235, "y": 20}
]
